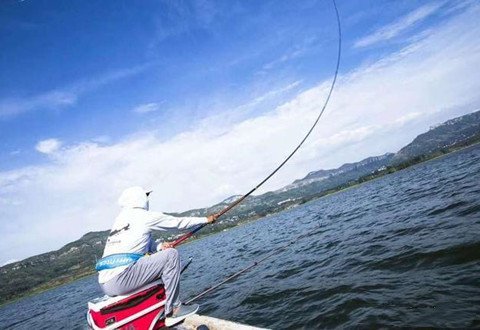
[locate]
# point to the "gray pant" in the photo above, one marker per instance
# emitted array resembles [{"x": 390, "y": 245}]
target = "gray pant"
[{"x": 163, "y": 264}]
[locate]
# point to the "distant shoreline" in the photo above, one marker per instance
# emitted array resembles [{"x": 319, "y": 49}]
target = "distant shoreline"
[{"x": 44, "y": 288}]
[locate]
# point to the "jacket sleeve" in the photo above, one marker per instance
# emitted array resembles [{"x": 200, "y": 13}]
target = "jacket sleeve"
[{"x": 160, "y": 221}]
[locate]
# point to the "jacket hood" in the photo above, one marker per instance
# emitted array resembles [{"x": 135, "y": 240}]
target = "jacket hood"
[{"x": 134, "y": 197}]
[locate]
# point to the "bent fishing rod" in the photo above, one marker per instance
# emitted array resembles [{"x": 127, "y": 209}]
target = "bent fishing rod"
[{"x": 181, "y": 239}]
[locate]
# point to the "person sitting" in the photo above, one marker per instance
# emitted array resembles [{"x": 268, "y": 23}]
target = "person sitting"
[{"x": 125, "y": 268}]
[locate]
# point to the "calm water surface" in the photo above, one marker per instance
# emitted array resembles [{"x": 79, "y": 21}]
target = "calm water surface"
[{"x": 403, "y": 250}]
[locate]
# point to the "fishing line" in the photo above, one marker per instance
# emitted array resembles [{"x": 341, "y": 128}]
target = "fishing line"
[
  {"x": 255, "y": 263},
  {"x": 310, "y": 233},
  {"x": 241, "y": 199}
]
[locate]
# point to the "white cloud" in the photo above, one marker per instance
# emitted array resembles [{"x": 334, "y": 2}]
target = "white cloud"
[
  {"x": 48, "y": 146},
  {"x": 403, "y": 23},
  {"x": 374, "y": 109},
  {"x": 64, "y": 97},
  {"x": 408, "y": 117},
  {"x": 147, "y": 107}
]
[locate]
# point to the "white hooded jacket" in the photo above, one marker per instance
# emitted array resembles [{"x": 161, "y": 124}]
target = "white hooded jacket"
[{"x": 131, "y": 232}]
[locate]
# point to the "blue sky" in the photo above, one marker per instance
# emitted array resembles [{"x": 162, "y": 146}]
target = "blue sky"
[
  {"x": 199, "y": 99},
  {"x": 100, "y": 61}
]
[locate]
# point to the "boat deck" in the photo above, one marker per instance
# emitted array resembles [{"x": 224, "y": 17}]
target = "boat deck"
[{"x": 211, "y": 323}]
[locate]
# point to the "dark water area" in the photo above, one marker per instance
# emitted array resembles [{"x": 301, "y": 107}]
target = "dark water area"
[{"x": 400, "y": 251}]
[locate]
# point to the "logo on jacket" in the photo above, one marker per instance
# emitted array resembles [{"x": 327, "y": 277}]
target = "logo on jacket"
[{"x": 115, "y": 232}]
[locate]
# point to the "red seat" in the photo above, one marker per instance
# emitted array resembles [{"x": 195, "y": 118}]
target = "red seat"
[{"x": 142, "y": 309}]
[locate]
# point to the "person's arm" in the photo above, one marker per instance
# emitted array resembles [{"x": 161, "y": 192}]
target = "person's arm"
[{"x": 161, "y": 221}]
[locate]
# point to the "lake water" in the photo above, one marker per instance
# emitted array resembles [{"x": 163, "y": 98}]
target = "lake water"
[{"x": 403, "y": 250}]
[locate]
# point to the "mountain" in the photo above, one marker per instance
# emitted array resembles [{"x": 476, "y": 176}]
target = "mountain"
[
  {"x": 77, "y": 259},
  {"x": 347, "y": 171},
  {"x": 456, "y": 132},
  {"x": 53, "y": 268}
]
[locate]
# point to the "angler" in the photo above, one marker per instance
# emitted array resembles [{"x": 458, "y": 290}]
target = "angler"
[
  {"x": 130, "y": 239},
  {"x": 132, "y": 259}
]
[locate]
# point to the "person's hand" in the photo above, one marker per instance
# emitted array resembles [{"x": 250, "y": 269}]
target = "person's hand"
[
  {"x": 166, "y": 245},
  {"x": 212, "y": 218}
]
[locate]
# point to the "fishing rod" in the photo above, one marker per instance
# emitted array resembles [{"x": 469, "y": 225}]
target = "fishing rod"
[
  {"x": 184, "y": 268},
  {"x": 241, "y": 199}
]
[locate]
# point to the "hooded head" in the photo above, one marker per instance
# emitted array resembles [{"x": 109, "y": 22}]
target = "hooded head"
[{"x": 134, "y": 197}]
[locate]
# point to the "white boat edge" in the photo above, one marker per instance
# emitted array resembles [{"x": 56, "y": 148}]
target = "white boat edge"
[{"x": 194, "y": 321}]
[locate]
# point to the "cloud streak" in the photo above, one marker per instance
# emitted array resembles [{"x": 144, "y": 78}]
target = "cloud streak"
[
  {"x": 63, "y": 97},
  {"x": 50, "y": 100},
  {"x": 396, "y": 28},
  {"x": 147, "y": 108}
]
